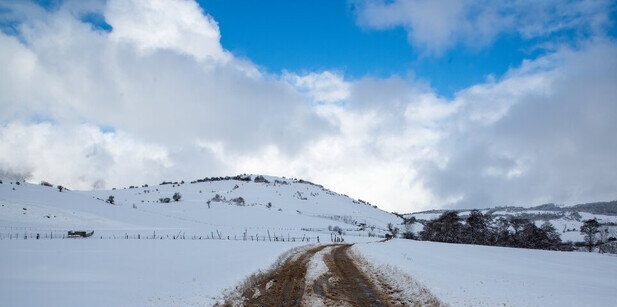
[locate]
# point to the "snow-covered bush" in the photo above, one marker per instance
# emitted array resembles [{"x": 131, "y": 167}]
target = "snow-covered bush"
[
  {"x": 177, "y": 196},
  {"x": 47, "y": 184},
  {"x": 239, "y": 201},
  {"x": 261, "y": 179}
]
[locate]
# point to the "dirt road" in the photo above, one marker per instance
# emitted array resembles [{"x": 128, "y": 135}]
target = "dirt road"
[{"x": 325, "y": 275}]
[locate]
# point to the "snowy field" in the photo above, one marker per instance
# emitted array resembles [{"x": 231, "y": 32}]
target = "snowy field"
[
  {"x": 471, "y": 275},
  {"x": 98, "y": 272},
  {"x": 127, "y": 272}
]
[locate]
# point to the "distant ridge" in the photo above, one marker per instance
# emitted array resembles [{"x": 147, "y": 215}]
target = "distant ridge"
[{"x": 605, "y": 208}]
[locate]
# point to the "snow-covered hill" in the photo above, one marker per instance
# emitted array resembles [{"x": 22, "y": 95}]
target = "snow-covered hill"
[{"x": 229, "y": 206}]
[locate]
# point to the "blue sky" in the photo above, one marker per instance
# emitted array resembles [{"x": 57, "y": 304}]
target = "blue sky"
[
  {"x": 316, "y": 35},
  {"x": 408, "y": 104},
  {"x": 308, "y": 36}
]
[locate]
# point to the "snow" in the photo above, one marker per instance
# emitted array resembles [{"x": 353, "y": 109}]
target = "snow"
[
  {"x": 138, "y": 211},
  {"x": 127, "y": 272},
  {"x": 139, "y": 272},
  {"x": 316, "y": 267},
  {"x": 470, "y": 275}
]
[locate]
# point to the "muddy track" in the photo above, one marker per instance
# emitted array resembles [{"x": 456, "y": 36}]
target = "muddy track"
[
  {"x": 344, "y": 284},
  {"x": 341, "y": 284},
  {"x": 283, "y": 287}
]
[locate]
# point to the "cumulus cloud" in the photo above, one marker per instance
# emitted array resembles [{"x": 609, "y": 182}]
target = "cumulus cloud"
[
  {"x": 435, "y": 26},
  {"x": 68, "y": 71},
  {"x": 542, "y": 134},
  {"x": 150, "y": 101},
  {"x": 321, "y": 87},
  {"x": 176, "y": 25},
  {"x": 81, "y": 156}
]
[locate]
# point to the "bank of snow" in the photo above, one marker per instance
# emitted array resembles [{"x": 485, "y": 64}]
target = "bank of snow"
[
  {"x": 127, "y": 272},
  {"x": 471, "y": 275}
]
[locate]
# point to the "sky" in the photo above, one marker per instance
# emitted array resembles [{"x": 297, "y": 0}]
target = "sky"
[{"x": 410, "y": 105}]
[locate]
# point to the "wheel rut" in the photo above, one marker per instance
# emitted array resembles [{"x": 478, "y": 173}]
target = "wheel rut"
[
  {"x": 344, "y": 283},
  {"x": 282, "y": 287},
  {"x": 325, "y": 275}
]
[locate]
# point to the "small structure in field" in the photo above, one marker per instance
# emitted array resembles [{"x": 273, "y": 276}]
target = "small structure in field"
[{"x": 79, "y": 234}]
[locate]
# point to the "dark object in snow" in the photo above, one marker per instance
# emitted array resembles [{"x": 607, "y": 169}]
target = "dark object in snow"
[
  {"x": 261, "y": 179},
  {"x": 177, "y": 196},
  {"x": 82, "y": 234}
]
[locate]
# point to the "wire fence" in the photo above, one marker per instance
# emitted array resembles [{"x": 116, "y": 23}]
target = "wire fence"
[{"x": 57, "y": 235}]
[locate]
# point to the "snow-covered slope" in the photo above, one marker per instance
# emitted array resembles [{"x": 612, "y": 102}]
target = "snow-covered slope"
[
  {"x": 224, "y": 206},
  {"x": 473, "y": 275}
]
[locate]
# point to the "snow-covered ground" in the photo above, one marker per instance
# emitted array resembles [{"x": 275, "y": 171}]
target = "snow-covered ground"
[
  {"x": 142, "y": 272},
  {"x": 471, "y": 275},
  {"x": 127, "y": 272}
]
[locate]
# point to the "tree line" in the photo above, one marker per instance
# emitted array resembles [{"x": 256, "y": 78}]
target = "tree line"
[{"x": 482, "y": 229}]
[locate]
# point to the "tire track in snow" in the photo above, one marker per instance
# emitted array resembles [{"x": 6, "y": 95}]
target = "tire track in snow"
[{"x": 326, "y": 275}]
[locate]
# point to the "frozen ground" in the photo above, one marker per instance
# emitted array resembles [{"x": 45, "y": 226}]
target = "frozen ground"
[
  {"x": 127, "y": 272},
  {"x": 471, "y": 275},
  {"x": 121, "y": 272}
]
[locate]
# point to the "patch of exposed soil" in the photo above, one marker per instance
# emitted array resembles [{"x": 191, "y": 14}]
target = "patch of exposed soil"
[
  {"x": 282, "y": 287},
  {"x": 343, "y": 284}
]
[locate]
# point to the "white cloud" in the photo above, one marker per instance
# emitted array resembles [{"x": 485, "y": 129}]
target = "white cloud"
[
  {"x": 80, "y": 156},
  {"x": 321, "y": 87},
  {"x": 437, "y": 25},
  {"x": 538, "y": 135},
  {"x": 178, "y": 25}
]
